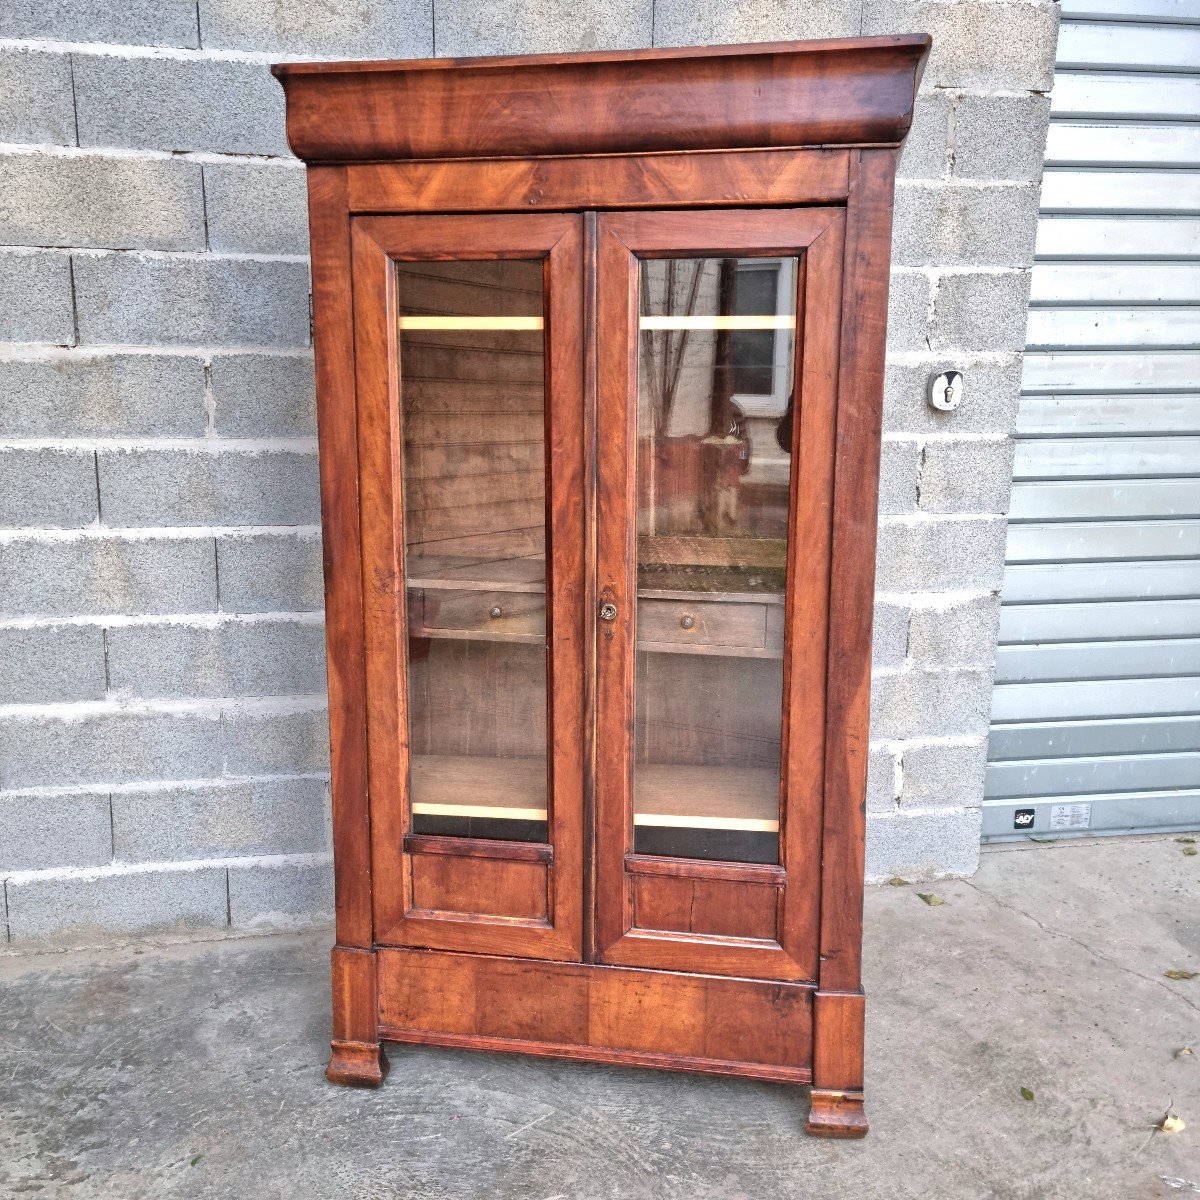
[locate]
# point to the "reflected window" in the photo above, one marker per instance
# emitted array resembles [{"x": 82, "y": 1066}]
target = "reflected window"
[{"x": 716, "y": 351}]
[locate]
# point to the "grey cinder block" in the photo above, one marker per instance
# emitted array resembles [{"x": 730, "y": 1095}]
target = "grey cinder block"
[
  {"x": 908, "y": 311},
  {"x": 176, "y": 104},
  {"x": 980, "y": 44},
  {"x": 711, "y": 22},
  {"x": 881, "y": 779},
  {"x": 944, "y": 776},
  {"x": 81, "y": 576},
  {"x": 915, "y": 223},
  {"x": 339, "y": 28},
  {"x": 35, "y": 98},
  {"x": 43, "y": 832},
  {"x": 1001, "y": 137},
  {"x": 956, "y": 225},
  {"x": 264, "y": 395},
  {"x": 256, "y": 209},
  {"x": 889, "y": 637},
  {"x": 261, "y": 816},
  {"x": 55, "y": 488},
  {"x": 981, "y": 311},
  {"x": 270, "y": 572},
  {"x": 110, "y": 746},
  {"x": 206, "y": 487},
  {"x": 235, "y": 658},
  {"x": 922, "y": 845},
  {"x": 927, "y": 704},
  {"x": 924, "y": 153},
  {"x": 283, "y": 894},
  {"x": 958, "y": 634},
  {"x": 124, "y": 22},
  {"x": 898, "y": 475},
  {"x": 51, "y": 664},
  {"x": 94, "y": 908},
  {"x": 123, "y": 395},
  {"x": 191, "y": 301},
  {"x": 286, "y": 742},
  {"x": 35, "y": 298},
  {"x": 988, "y": 226},
  {"x": 933, "y": 555},
  {"x": 966, "y": 477},
  {"x": 534, "y": 26},
  {"x": 991, "y": 394},
  {"x": 94, "y": 200}
]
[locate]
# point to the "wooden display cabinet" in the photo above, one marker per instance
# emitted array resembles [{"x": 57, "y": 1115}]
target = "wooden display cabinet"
[{"x": 600, "y": 345}]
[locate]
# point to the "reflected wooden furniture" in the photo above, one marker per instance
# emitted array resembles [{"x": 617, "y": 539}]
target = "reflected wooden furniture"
[{"x": 600, "y": 348}]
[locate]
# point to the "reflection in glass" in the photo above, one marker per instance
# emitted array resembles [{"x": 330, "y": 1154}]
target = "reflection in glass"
[
  {"x": 472, "y": 397},
  {"x": 716, "y": 351}
]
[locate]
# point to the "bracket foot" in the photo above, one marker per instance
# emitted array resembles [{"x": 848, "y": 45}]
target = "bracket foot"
[
  {"x": 836, "y": 1114},
  {"x": 357, "y": 1064}
]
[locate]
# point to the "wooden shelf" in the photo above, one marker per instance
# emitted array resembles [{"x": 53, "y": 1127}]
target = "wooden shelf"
[
  {"x": 690, "y": 797},
  {"x": 665, "y": 795},
  {"x": 480, "y": 635},
  {"x": 456, "y": 785},
  {"x": 537, "y": 639},
  {"x": 773, "y": 599},
  {"x": 529, "y": 575},
  {"x": 477, "y": 574}
]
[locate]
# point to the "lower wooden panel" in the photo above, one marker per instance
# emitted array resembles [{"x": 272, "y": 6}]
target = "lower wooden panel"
[
  {"x": 485, "y": 886},
  {"x": 711, "y": 906},
  {"x": 604, "y": 1014}
]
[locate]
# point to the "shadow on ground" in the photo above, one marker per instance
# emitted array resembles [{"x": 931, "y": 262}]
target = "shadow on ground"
[{"x": 196, "y": 1071}]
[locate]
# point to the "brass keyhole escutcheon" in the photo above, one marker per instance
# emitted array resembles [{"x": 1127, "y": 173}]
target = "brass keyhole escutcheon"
[
  {"x": 688, "y": 622},
  {"x": 608, "y": 612},
  {"x": 495, "y": 612}
]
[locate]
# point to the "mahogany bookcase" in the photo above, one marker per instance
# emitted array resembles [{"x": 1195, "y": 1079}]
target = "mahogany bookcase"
[{"x": 600, "y": 346}]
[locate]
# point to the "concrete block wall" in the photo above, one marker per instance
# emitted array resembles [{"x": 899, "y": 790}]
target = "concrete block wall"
[
  {"x": 163, "y": 752},
  {"x": 965, "y": 222}
]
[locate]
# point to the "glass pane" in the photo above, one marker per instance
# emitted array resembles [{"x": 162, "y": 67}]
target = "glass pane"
[
  {"x": 472, "y": 392},
  {"x": 716, "y": 347}
]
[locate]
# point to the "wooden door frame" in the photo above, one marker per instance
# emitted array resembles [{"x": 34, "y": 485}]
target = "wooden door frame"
[
  {"x": 839, "y": 1007},
  {"x": 814, "y": 236},
  {"x": 377, "y": 244}
]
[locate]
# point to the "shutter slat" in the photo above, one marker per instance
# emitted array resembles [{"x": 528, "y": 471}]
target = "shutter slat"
[
  {"x": 1129, "y": 580},
  {"x": 1081, "y": 739},
  {"x": 1069, "y": 541},
  {"x": 1104, "y": 238},
  {"x": 1097, "y": 660},
  {"x": 1102, "y": 620}
]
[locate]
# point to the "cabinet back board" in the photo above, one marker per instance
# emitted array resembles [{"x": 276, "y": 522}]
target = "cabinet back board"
[{"x": 600, "y": 352}]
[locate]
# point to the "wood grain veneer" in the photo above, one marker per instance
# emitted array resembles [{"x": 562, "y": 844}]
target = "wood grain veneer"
[
  {"x": 816, "y": 93},
  {"x": 479, "y": 479}
]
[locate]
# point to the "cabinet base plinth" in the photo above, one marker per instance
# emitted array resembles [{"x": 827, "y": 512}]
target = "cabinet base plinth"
[
  {"x": 759, "y": 1029},
  {"x": 836, "y": 1114},
  {"x": 357, "y": 1064}
]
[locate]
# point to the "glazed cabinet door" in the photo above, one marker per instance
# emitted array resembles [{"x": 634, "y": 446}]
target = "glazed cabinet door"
[
  {"x": 717, "y": 350},
  {"x": 468, "y": 335}
]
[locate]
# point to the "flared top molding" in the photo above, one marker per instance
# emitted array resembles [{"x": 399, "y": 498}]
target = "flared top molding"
[{"x": 857, "y": 91}]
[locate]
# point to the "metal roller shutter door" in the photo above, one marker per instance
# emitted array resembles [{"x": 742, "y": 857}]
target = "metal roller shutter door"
[{"x": 1096, "y": 713}]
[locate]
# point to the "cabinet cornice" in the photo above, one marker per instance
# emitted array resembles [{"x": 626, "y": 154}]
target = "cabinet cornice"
[{"x": 853, "y": 92}]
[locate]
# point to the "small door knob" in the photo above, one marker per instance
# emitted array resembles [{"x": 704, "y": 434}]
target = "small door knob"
[
  {"x": 688, "y": 622},
  {"x": 608, "y": 612},
  {"x": 495, "y": 612}
]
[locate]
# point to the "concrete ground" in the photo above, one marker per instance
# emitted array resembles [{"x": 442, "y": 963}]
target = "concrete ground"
[{"x": 195, "y": 1071}]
